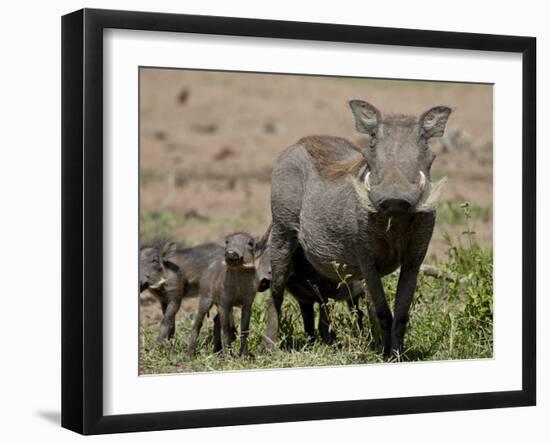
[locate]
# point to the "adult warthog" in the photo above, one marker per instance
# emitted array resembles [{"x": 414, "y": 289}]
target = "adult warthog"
[{"x": 367, "y": 211}]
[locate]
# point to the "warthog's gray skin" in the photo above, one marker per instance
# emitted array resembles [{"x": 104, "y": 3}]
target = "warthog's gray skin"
[
  {"x": 172, "y": 273},
  {"x": 231, "y": 281},
  {"x": 362, "y": 209},
  {"x": 308, "y": 287}
]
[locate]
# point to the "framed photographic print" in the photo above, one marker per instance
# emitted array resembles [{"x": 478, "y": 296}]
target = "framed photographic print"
[{"x": 269, "y": 221}]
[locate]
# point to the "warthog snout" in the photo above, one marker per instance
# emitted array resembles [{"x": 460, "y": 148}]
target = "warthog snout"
[
  {"x": 233, "y": 256},
  {"x": 394, "y": 205},
  {"x": 396, "y": 193}
]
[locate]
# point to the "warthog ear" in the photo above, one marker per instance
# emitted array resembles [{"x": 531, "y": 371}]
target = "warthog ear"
[
  {"x": 261, "y": 243},
  {"x": 168, "y": 250},
  {"x": 433, "y": 121},
  {"x": 366, "y": 116}
]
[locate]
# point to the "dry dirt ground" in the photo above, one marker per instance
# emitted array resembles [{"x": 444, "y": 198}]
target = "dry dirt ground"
[{"x": 208, "y": 141}]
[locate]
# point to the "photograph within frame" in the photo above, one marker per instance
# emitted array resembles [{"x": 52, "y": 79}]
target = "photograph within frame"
[{"x": 208, "y": 142}]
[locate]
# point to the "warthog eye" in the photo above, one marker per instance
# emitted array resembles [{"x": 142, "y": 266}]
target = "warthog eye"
[{"x": 251, "y": 243}]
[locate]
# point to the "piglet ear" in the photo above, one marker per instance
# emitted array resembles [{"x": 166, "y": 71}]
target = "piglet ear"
[
  {"x": 168, "y": 251},
  {"x": 261, "y": 243},
  {"x": 434, "y": 121},
  {"x": 366, "y": 116}
]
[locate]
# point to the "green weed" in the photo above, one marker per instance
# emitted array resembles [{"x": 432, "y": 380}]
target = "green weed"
[{"x": 452, "y": 213}]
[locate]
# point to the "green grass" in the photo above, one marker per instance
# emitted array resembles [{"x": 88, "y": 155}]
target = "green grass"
[
  {"x": 451, "y": 318},
  {"x": 158, "y": 224},
  {"x": 147, "y": 176},
  {"x": 453, "y": 213}
]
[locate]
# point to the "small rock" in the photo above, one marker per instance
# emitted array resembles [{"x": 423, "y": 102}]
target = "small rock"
[
  {"x": 231, "y": 184},
  {"x": 224, "y": 153},
  {"x": 270, "y": 128},
  {"x": 159, "y": 135},
  {"x": 181, "y": 179},
  {"x": 205, "y": 128},
  {"x": 193, "y": 213},
  {"x": 183, "y": 96}
]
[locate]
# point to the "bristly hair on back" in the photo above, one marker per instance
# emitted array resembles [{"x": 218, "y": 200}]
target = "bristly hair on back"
[{"x": 334, "y": 157}]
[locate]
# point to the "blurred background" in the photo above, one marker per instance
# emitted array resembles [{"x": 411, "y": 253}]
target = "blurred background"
[{"x": 209, "y": 140}]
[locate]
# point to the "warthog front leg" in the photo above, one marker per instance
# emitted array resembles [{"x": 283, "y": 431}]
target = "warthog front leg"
[
  {"x": 245, "y": 325},
  {"x": 410, "y": 266},
  {"x": 226, "y": 313},
  {"x": 283, "y": 244},
  {"x": 308, "y": 316},
  {"x": 218, "y": 332},
  {"x": 403, "y": 299},
  {"x": 383, "y": 312}
]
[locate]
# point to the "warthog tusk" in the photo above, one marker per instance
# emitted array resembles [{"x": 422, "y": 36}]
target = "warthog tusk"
[
  {"x": 242, "y": 266},
  {"x": 422, "y": 181},
  {"x": 367, "y": 181},
  {"x": 158, "y": 284}
]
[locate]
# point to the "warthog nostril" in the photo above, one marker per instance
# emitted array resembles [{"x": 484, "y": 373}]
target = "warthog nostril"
[{"x": 393, "y": 205}]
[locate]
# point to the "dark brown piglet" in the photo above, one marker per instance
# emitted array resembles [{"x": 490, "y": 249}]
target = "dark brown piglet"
[
  {"x": 233, "y": 280},
  {"x": 172, "y": 273}
]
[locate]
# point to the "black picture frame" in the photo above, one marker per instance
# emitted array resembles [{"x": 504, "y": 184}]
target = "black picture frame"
[{"x": 82, "y": 220}]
